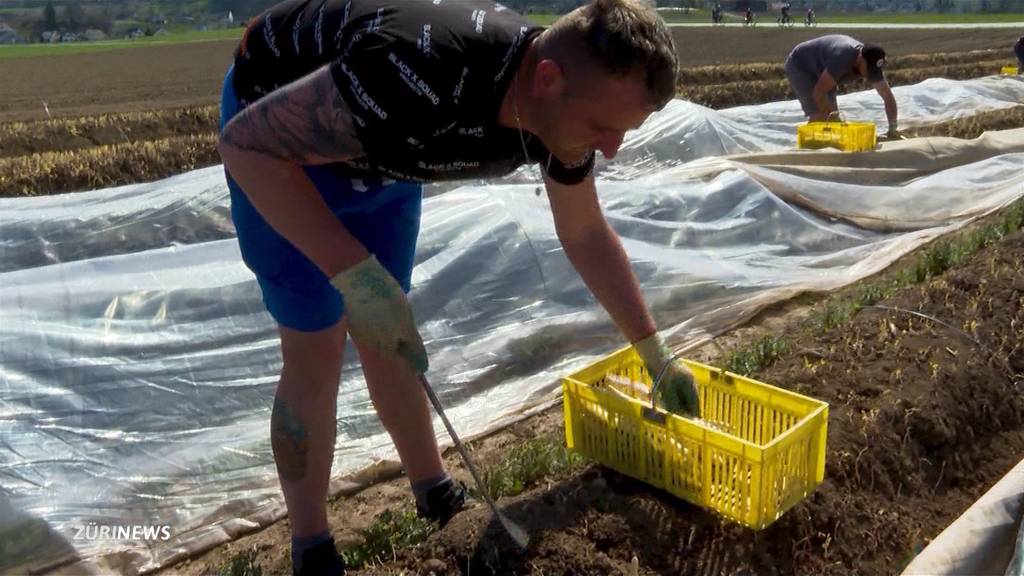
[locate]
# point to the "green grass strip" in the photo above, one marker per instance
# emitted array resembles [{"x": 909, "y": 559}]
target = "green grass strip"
[
  {"x": 390, "y": 531},
  {"x": 748, "y": 359},
  {"x": 241, "y": 564},
  {"x": 64, "y": 48},
  {"x": 527, "y": 463}
]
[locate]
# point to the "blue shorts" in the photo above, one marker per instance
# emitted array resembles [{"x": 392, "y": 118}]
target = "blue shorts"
[{"x": 382, "y": 214}]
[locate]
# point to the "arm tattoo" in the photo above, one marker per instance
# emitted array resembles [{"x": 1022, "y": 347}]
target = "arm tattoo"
[
  {"x": 306, "y": 122},
  {"x": 289, "y": 441}
]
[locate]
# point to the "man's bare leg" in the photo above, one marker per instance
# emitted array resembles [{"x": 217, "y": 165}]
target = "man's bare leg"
[
  {"x": 303, "y": 423},
  {"x": 405, "y": 412}
]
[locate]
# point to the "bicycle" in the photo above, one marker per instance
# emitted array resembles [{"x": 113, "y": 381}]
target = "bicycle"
[{"x": 810, "y": 21}]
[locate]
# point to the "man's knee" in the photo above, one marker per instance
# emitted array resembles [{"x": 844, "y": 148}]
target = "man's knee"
[{"x": 314, "y": 355}]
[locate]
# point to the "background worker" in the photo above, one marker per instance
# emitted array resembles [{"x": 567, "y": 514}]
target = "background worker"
[
  {"x": 784, "y": 17},
  {"x": 1018, "y": 50},
  {"x": 334, "y": 113},
  {"x": 816, "y": 67}
]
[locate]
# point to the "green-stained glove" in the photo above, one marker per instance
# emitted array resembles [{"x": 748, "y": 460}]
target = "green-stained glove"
[
  {"x": 379, "y": 314},
  {"x": 677, "y": 391}
]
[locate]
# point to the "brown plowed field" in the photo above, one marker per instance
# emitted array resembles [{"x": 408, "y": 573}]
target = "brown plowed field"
[
  {"x": 84, "y": 121},
  {"x": 922, "y": 421},
  {"x": 179, "y": 75}
]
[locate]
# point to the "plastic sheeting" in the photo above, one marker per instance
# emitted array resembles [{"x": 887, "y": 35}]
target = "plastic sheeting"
[
  {"x": 984, "y": 540},
  {"x": 137, "y": 365}
]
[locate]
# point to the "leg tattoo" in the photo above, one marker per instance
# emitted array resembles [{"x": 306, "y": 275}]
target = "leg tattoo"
[{"x": 289, "y": 440}]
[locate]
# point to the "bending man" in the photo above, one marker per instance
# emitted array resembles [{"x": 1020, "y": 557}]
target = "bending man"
[
  {"x": 336, "y": 111},
  {"x": 1018, "y": 51},
  {"x": 815, "y": 69}
]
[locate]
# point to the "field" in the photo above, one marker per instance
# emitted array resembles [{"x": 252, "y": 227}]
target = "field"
[
  {"x": 973, "y": 18},
  {"x": 825, "y": 18},
  {"x": 923, "y": 420},
  {"x": 86, "y": 120},
  {"x": 63, "y": 49}
]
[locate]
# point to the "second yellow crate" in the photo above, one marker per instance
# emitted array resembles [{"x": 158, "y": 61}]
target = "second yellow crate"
[
  {"x": 757, "y": 451},
  {"x": 846, "y": 136},
  {"x": 1008, "y": 70}
]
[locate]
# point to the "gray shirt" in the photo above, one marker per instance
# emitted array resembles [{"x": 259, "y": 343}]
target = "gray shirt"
[{"x": 834, "y": 52}]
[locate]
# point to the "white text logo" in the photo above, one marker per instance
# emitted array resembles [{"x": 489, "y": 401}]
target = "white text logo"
[
  {"x": 478, "y": 17},
  {"x": 440, "y": 131},
  {"x": 116, "y": 532},
  {"x": 361, "y": 95},
  {"x": 295, "y": 35},
  {"x": 374, "y": 24},
  {"x": 425, "y": 39},
  {"x": 318, "y": 31},
  {"x": 458, "y": 87},
  {"x": 341, "y": 27},
  {"x": 268, "y": 36},
  {"x": 447, "y": 166},
  {"x": 413, "y": 80},
  {"x": 511, "y": 52}
]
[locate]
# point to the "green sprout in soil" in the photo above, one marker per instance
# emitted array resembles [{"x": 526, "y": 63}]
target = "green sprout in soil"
[
  {"x": 943, "y": 255},
  {"x": 390, "y": 531},
  {"x": 526, "y": 464},
  {"x": 748, "y": 359},
  {"x": 241, "y": 564}
]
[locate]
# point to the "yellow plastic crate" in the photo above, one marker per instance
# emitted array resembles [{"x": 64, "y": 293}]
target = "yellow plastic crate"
[
  {"x": 1008, "y": 70},
  {"x": 846, "y": 136},
  {"x": 756, "y": 452}
]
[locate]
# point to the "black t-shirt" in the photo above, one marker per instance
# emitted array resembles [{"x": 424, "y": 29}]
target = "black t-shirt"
[{"x": 424, "y": 80}]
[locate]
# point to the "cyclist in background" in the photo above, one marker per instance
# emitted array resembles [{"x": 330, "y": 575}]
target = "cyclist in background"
[
  {"x": 810, "y": 20},
  {"x": 784, "y": 17}
]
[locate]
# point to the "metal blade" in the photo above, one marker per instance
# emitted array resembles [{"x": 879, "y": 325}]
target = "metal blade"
[{"x": 521, "y": 538}]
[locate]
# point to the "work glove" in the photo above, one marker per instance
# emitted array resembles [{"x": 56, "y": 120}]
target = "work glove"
[
  {"x": 379, "y": 314},
  {"x": 677, "y": 392}
]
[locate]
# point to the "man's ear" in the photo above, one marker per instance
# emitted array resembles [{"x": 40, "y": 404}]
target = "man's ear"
[{"x": 548, "y": 78}]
